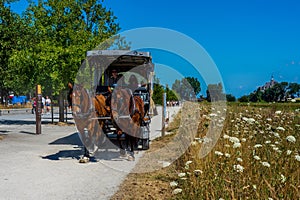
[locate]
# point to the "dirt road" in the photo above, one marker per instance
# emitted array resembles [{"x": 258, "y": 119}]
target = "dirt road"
[{"x": 46, "y": 166}]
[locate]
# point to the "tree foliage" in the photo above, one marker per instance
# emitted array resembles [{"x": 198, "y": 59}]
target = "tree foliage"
[
  {"x": 158, "y": 91},
  {"x": 11, "y": 36},
  {"x": 214, "y": 92},
  {"x": 187, "y": 88},
  {"x": 58, "y": 34},
  {"x": 279, "y": 92}
]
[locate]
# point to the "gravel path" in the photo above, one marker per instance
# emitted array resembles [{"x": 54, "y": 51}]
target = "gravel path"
[{"x": 46, "y": 166}]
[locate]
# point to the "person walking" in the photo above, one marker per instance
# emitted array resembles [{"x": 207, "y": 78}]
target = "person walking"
[{"x": 48, "y": 104}]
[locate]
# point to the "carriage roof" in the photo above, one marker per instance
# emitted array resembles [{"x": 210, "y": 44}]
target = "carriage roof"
[{"x": 122, "y": 60}]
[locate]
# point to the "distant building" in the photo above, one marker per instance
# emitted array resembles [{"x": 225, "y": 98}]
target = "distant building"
[{"x": 268, "y": 85}]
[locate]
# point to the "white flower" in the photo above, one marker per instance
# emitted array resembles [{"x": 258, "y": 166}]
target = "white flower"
[
  {"x": 282, "y": 178},
  {"x": 280, "y": 128},
  {"x": 291, "y": 139},
  {"x": 269, "y": 119},
  {"x": 257, "y": 145},
  {"x": 239, "y": 160},
  {"x": 254, "y": 187},
  {"x": 227, "y": 155},
  {"x": 212, "y": 115},
  {"x": 266, "y": 164},
  {"x": 288, "y": 152},
  {"x": 276, "y": 134},
  {"x": 182, "y": 174},
  {"x": 238, "y": 168},
  {"x": 173, "y": 184},
  {"x": 297, "y": 157},
  {"x": 267, "y": 142},
  {"x": 207, "y": 140},
  {"x": 197, "y": 172},
  {"x": 245, "y": 118},
  {"x": 218, "y": 153},
  {"x": 256, "y": 157},
  {"x": 236, "y": 145},
  {"x": 188, "y": 162},
  {"x": 226, "y": 136},
  {"x": 234, "y": 140},
  {"x": 244, "y": 139},
  {"x": 177, "y": 191},
  {"x": 278, "y": 112},
  {"x": 251, "y": 120}
]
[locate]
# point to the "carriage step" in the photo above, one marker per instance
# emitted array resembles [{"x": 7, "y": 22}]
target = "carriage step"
[
  {"x": 114, "y": 136},
  {"x": 120, "y": 117}
]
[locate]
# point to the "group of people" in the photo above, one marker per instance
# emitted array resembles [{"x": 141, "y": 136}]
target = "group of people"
[
  {"x": 46, "y": 105},
  {"x": 117, "y": 79}
]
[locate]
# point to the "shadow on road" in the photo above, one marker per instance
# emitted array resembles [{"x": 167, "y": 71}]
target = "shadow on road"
[
  {"x": 27, "y": 132},
  {"x": 72, "y": 139},
  {"x": 64, "y": 154},
  {"x": 24, "y": 122},
  {"x": 107, "y": 151}
]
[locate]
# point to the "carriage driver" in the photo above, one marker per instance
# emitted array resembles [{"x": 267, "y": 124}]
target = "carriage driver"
[{"x": 113, "y": 80}]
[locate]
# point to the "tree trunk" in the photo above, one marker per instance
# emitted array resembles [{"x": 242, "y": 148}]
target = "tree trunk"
[{"x": 61, "y": 106}]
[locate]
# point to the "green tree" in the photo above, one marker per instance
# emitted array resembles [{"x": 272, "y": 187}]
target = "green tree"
[
  {"x": 214, "y": 92},
  {"x": 158, "y": 91},
  {"x": 63, "y": 32},
  {"x": 230, "y": 98},
  {"x": 294, "y": 89},
  {"x": 171, "y": 95},
  {"x": 11, "y": 33},
  {"x": 244, "y": 98},
  {"x": 256, "y": 96},
  {"x": 187, "y": 88},
  {"x": 194, "y": 82}
]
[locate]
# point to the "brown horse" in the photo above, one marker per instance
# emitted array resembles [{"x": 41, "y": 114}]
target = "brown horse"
[
  {"x": 85, "y": 116},
  {"x": 127, "y": 113}
]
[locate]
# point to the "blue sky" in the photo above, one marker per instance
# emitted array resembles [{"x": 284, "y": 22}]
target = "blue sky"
[{"x": 249, "y": 41}]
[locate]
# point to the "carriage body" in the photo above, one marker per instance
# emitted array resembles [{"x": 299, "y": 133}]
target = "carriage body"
[{"x": 95, "y": 77}]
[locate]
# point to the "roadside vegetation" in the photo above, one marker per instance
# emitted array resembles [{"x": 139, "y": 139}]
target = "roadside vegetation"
[{"x": 256, "y": 157}]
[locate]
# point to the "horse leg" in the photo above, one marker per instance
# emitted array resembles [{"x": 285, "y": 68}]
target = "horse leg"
[
  {"x": 86, "y": 152},
  {"x": 131, "y": 140},
  {"x": 122, "y": 150},
  {"x": 86, "y": 156}
]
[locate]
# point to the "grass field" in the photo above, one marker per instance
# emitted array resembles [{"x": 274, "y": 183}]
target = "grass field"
[{"x": 256, "y": 157}]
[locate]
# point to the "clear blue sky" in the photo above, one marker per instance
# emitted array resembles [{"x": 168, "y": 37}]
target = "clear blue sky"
[{"x": 249, "y": 40}]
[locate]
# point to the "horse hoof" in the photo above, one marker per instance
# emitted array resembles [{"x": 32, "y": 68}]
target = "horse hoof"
[
  {"x": 130, "y": 158},
  {"x": 123, "y": 154},
  {"x": 84, "y": 160}
]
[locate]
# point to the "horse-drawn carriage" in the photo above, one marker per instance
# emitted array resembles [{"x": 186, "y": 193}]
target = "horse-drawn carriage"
[{"x": 118, "y": 111}]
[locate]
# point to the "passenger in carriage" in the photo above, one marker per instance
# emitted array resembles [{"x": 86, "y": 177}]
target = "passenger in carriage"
[{"x": 133, "y": 82}]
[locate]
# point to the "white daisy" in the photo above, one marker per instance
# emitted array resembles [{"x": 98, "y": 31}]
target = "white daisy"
[
  {"x": 266, "y": 164},
  {"x": 177, "y": 191},
  {"x": 280, "y": 128},
  {"x": 218, "y": 153},
  {"x": 173, "y": 184},
  {"x": 256, "y": 157},
  {"x": 236, "y": 145},
  {"x": 291, "y": 139},
  {"x": 238, "y": 168}
]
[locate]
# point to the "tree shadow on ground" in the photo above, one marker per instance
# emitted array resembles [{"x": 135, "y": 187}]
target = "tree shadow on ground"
[{"x": 30, "y": 122}]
